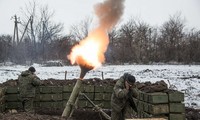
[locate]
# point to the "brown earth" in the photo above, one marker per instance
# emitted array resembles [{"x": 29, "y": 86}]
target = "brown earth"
[{"x": 85, "y": 114}]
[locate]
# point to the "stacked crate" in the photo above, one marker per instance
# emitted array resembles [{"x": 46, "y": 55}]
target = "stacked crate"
[
  {"x": 176, "y": 105},
  {"x": 12, "y": 98},
  {"x": 88, "y": 90},
  {"x": 49, "y": 97},
  {"x": 152, "y": 105},
  {"x": 159, "y": 104},
  {"x": 2, "y": 99},
  {"x": 99, "y": 95},
  {"x": 103, "y": 95}
]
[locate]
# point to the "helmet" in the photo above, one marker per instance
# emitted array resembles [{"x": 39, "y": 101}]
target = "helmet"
[{"x": 32, "y": 69}]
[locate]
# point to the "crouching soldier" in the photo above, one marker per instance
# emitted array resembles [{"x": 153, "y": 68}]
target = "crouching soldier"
[
  {"x": 27, "y": 83},
  {"x": 122, "y": 103}
]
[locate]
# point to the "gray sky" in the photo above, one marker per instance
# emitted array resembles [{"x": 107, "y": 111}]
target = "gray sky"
[{"x": 69, "y": 12}]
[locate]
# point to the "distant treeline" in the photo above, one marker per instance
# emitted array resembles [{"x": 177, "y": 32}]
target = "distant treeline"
[{"x": 131, "y": 42}]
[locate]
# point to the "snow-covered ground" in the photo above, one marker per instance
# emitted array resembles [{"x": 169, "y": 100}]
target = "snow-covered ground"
[{"x": 185, "y": 78}]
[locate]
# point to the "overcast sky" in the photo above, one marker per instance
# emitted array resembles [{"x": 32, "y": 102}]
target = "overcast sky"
[{"x": 69, "y": 12}]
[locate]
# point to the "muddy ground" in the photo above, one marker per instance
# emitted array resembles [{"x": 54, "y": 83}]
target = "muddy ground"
[{"x": 84, "y": 114}]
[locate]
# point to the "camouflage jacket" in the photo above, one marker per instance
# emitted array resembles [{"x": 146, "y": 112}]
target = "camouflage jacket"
[
  {"x": 120, "y": 95},
  {"x": 27, "y": 82}
]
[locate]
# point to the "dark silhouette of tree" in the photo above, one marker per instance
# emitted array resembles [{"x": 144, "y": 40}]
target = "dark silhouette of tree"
[{"x": 171, "y": 38}]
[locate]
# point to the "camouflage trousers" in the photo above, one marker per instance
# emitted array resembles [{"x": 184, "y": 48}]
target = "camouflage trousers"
[
  {"x": 126, "y": 112},
  {"x": 27, "y": 104}
]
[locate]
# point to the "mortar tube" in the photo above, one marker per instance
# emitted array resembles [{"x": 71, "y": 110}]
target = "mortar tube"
[{"x": 71, "y": 102}]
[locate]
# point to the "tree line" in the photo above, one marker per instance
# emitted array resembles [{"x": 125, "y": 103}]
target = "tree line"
[{"x": 132, "y": 42}]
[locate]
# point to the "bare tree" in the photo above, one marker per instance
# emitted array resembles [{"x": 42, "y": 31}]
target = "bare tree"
[
  {"x": 125, "y": 42},
  {"x": 5, "y": 48},
  {"x": 81, "y": 30},
  {"x": 192, "y": 49},
  {"x": 171, "y": 36}
]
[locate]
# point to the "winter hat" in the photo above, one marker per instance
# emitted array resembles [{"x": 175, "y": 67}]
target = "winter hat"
[
  {"x": 129, "y": 78},
  {"x": 32, "y": 69}
]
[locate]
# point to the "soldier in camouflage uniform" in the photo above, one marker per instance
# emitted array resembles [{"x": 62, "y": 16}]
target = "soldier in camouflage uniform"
[
  {"x": 27, "y": 82},
  {"x": 120, "y": 105}
]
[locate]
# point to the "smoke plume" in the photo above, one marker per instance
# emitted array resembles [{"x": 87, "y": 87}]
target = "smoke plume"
[{"x": 109, "y": 12}]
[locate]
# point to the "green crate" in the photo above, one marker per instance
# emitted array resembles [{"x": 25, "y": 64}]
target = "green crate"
[
  {"x": 140, "y": 106},
  {"x": 12, "y": 97},
  {"x": 13, "y": 105},
  {"x": 45, "y": 97},
  {"x": 176, "y": 108},
  {"x": 99, "y": 89},
  {"x": 12, "y": 90},
  {"x": 141, "y": 96},
  {"x": 82, "y": 89},
  {"x": 89, "y": 95},
  {"x": 56, "y": 89},
  {"x": 157, "y": 97},
  {"x": 107, "y": 96},
  {"x": 108, "y": 89},
  {"x": 106, "y": 104},
  {"x": 98, "y": 96},
  {"x": 56, "y": 97},
  {"x": 66, "y": 96},
  {"x": 45, "y": 89},
  {"x": 68, "y": 88},
  {"x": 50, "y": 97},
  {"x": 158, "y": 109},
  {"x": 37, "y": 90},
  {"x": 45, "y": 104},
  {"x": 37, "y": 97},
  {"x": 176, "y": 96},
  {"x": 58, "y": 104},
  {"x": 177, "y": 116},
  {"x": 82, "y": 104},
  {"x": 89, "y": 88},
  {"x": 145, "y": 106},
  {"x": 145, "y": 97}
]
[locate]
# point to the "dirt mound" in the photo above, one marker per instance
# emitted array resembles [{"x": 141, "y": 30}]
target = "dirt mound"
[{"x": 192, "y": 114}]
